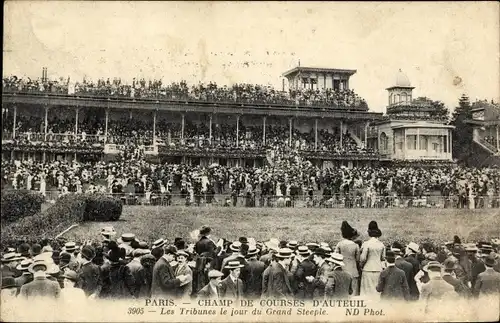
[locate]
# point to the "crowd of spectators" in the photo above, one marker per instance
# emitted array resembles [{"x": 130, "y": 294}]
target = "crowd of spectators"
[
  {"x": 287, "y": 175},
  {"x": 211, "y": 92},
  {"x": 135, "y": 131}
]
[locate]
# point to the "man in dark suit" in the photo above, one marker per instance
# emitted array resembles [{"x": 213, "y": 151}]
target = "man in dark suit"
[
  {"x": 135, "y": 276},
  {"x": 306, "y": 268},
  {"x": 319, "y": 281},
  {"x": 9, "y": 263},
  {"x": 488, "y": 282},
  {"x": 164, "y": 283},
  {"x": 339, "y": 283},
  {"x": 232, "y": 286},
  {"x": 251, "y": 274},
  {"x": 476, "y": 266},
  {"x": 40, "y": 286},
  {"x": 461, "y": 289},
  {"x": 212, "y": 289},
  {"x": 392, "y": 283},
  {"x": 89, "y": 274},
  {"x": 278, "y": 279},
  {"x": 205, "y": 244},
  {"x": 405, "y": 266},
  {"x": 412, "y": 251}
]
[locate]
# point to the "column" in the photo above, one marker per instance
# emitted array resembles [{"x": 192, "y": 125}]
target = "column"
[
  {"x": 210, "y": 131},
  {"x": 290, "y": 132},
  {"x": 15, "y": 123},
  {"x": 366, "y": 134},
  {"x": 154, "y": 128},
  {"x": 315, "y": 134},
  {"x": 324, "y": 80},
  {"x": 341, "y": 133},
  {"x": 44, "y": 157},
  {"x": 106, "y": 127},
  {"x": 406, "y": 147},
  {"x": 182, "y": 127},
  {"x": 418, "y": 139},
  {"x": 46, "y": 125},
  {"x": 450, "y": 141},
  {"x": 498, "y": 139},
  {"x": 237, "y": 131},
  {"x": 264, "y": 130},
  {"x": 76, "y": 124}
]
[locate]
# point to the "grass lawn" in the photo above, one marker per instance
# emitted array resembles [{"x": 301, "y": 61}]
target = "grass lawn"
[{"x": 418, "y": 224}]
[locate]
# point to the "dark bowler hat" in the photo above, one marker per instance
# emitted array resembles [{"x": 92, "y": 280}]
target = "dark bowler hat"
[
  {"x": 320, "y": 252},
  {"x": 205, "y": 230}
]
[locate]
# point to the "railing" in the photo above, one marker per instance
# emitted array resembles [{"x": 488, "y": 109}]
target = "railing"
[
  {"x": 486, "y": 144},
  {"x": 357, "y": 105},
  {"x": 299, "y": 201}
]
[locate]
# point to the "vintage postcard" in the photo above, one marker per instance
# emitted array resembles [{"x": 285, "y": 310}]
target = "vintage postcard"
[{"x": 250, "y": 161}]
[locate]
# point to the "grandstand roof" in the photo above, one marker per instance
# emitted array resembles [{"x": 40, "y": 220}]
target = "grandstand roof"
[{"x": 318, "y": 70}]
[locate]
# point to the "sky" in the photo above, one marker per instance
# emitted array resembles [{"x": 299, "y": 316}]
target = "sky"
[{"x": 445, "y": 49}]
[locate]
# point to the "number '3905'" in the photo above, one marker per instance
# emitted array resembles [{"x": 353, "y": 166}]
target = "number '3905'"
[{"x": 136, "y": 310}]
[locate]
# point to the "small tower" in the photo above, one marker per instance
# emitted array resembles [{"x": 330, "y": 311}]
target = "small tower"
[{"x": 401, "y": 92}]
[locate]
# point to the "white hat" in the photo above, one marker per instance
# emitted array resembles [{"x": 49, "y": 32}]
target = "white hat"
[
  {"x": 413, "y": 247},
  {"x": 336, "y": 258},
  {"x": 214, "y": 274}
]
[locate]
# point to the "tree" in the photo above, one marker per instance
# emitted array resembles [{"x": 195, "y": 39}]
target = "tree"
[{"x": 462, "y": 134}]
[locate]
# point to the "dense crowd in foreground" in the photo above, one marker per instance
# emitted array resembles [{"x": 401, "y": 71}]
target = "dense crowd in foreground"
[
  {"x": 237, "y": 93},
  {"x": 127, "y": 268},
  {"x": 289, "y": 177}
]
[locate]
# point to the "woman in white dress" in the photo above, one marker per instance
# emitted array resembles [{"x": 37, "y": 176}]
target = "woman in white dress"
[{"x": 371, "y": 261}]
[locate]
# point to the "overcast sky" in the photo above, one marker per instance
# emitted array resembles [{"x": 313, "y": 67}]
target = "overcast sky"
[{"x": 446, "y": 49}]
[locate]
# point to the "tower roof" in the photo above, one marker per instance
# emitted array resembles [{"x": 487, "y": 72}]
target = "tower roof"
[{"x": 401, "y": 81}]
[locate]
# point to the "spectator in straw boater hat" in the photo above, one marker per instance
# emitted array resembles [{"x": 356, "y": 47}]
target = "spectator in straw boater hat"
[
  {"x": 40, "y": 286},
  {"x": 476, "y": 265},
  {"x": 182, "y": 269},
  {"x": 305, "y": 268},
  {"x": 339, "y": 283},
  {"x": 488, "y": 282},
  {"x": 26, "y": 276},
  {"x": 135, "y": 274},
  {"x": 351, "y": 253},
  {"x": 277, "y": 284},
  {"x": 372, "y": 255},
  {"x": 298, "y": 257},
  {"x": 157, "y": 248},
  {"x": 319, "y": 280},
  {"x": 251, "y": 274},
  {"x": 10, "y": 261}
]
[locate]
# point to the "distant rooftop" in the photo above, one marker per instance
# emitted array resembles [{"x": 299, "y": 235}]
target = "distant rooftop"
[
  {"x": 319, "y": 70},
  {"x": 402, "y": 81}
]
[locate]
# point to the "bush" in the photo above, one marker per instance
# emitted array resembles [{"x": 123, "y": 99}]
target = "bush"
[
  {"x": 68, "y": 210},
  {"x": 19, "y": 204},
  {"x": 101, "y": 207}
]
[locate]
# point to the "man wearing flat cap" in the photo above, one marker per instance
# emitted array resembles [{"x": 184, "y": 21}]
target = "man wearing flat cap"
[{"x": 211, "y": 290}]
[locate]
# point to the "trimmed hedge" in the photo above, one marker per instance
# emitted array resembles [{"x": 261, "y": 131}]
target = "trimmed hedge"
[
  {"x": 19, "y": 204},
  {"x": 101, "y": 207},
  {"x": 68, "y": 210}
]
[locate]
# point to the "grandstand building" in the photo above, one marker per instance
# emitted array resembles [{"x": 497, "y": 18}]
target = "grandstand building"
[
  {"x": 413, "y": 129},
  {"x": 237, "y": 129},
  {"x": 485, "y": 124}
]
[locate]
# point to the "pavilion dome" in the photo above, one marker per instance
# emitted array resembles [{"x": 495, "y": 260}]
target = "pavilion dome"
[{"x": 402, "y": 80}]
